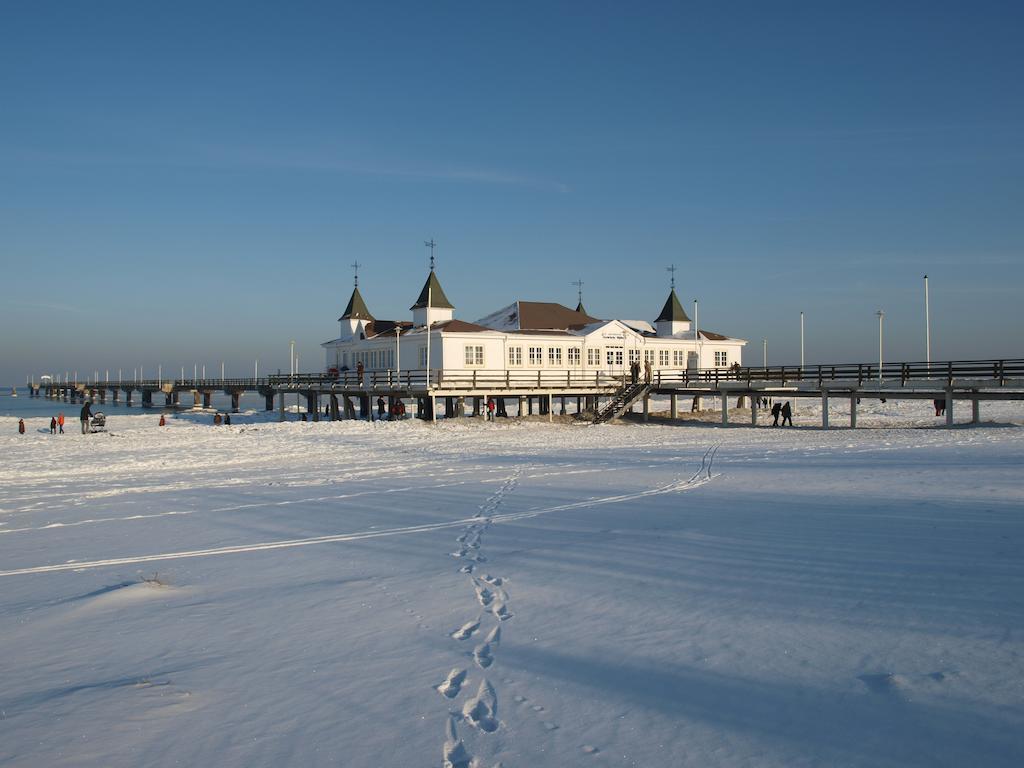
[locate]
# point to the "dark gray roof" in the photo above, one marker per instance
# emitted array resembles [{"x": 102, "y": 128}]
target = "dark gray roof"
[
  {"x": 432, "y": 289},
  {"x": 673, "y": 310},
  {"x": 356, "y": 308}
]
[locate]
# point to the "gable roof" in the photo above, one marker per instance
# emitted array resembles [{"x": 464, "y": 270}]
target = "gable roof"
[
  {"x": 673, "y": 310},
  {"x": 356, "y": 308},
  {"x": 536, "y": 316},
  {"x": 432, "y": 290},
  {"x": 459, "y": 326}
]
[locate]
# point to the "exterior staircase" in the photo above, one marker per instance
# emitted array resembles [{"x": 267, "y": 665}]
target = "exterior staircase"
[{"x": 624, "y": 398}]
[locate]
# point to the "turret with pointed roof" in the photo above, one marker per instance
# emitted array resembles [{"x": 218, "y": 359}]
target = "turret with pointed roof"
[
  {"x": 432, "y": 306},
  {"x": 673, "y": 319},
  {"x": 356, "y": 308},
  {"x": 356, "y": 317},
  {"x": 580, "y": 309}
]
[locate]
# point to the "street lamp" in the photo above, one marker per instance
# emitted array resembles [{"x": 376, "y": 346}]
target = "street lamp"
[
  {"x": 881, "y": 317},
  {"x": 927, "y": 328},
  {"x": 801, "y": 344},
  {"x": 764, "y": 353}
]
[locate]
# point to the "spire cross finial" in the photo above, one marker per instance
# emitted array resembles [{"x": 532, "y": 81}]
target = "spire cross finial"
[
  {"x": 672, "y": 281},
  {"x": 356, "y": 265},
  {"x": 579, "y": 289},
  {"x": 431, "y": 245}
]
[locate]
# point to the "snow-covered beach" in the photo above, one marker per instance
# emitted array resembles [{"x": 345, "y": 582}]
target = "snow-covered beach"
[{"x": 521, "y": 593}]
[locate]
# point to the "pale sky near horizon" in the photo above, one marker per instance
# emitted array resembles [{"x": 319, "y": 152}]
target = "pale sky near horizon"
[{"x": 190, "y": 182}]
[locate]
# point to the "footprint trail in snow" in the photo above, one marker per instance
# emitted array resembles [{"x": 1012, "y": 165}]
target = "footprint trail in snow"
[{"x": 480, "y": 710}]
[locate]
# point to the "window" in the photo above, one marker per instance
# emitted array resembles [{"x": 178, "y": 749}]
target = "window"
[
  {"x": 593, "y": 357},
  {"x": 573, "y": 355},
  {"x": 515, "y": 356},
  {"x": 677, "y": 358},
  {"x": 721, "y": 359},
  {"x": 536, "y": 355},
  {"x": 474, "y": 355},
  {"x": 634, "y": 355},
  {"x": 663, "y": 357},
  {"x": 613, "y": 356},
  {"x": 423, "y": 357},
  {"x": 555, "y": 356},
  {"x": 649, "y": 356}
]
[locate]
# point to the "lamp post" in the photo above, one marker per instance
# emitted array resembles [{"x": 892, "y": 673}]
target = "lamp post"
[
  {"x": 291, "y": 357},
  {"x": 398, "y": 350},
  {"x": 764, "y": 353},
  {"x": 696, "y": 335},
  {"x": 801, "y": 344},
  {"x": 927, "y": 328},
  {"x": 881, "y": 317}
]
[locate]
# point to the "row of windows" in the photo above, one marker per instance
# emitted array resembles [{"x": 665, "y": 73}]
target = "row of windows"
[
  {"x": 371, "y": 359},
  {"x": 613, "y": 357},
  {"x": 536, "y": 356}
]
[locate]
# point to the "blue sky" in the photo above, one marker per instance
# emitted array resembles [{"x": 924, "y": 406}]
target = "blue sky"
[{"x": 189, "y": 182}]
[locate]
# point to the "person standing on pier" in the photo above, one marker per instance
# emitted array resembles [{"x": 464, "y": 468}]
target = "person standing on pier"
[{"x": 85, "y": 415}]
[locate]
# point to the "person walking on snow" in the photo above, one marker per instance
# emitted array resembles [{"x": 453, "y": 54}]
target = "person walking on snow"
[
  {"x": 21, "y": 426},
  {"x": 490, "y": 409},
  {"x": 60, "y": 422},
  {"x": 787, "y": 414},
  {"x": 84, "y": 417},
  {"x": 53, "y": 425},
  {"x": 776, "y": 410}
]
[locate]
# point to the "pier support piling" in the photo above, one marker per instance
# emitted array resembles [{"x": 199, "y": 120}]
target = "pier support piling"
[
  {"x": 949, "y": 407},
  {"x": 853, "y": 413},
  {"x": 824, "y": 409}
]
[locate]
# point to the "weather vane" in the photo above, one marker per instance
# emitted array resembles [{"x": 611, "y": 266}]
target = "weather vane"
[
  {"x": 579, "y": 289},
  {"x": 356, "y": 265},
  {"x": 672, "y": 269},
  {"x": 431, "y": 245}
]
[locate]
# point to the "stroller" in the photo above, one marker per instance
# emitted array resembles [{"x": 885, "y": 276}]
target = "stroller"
[{"x": 98, "y": 422}]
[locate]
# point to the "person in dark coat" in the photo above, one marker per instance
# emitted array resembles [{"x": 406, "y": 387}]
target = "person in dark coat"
[
  {"x": 380, "y": 408},
  {"x": 227, "y": 419},
  {"x": 787, "y": 414},
  {"x": 634, "y": 370},
  {"x": 940, "y": 406},
  {"x": 53, "y": 425},
  {"x": 21, "y": 426},
  {"x": 84, "y": 417},
  {"x": 776, "y": 410}
]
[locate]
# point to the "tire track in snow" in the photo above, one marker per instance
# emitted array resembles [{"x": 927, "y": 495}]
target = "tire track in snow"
[{"x": 678, "y": 486}]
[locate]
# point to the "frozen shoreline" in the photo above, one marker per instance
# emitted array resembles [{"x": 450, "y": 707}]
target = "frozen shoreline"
[{"x": 520, "y": 592}]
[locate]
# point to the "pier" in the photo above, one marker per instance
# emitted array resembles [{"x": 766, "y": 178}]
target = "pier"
[{"x": 607, "y": 395}]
